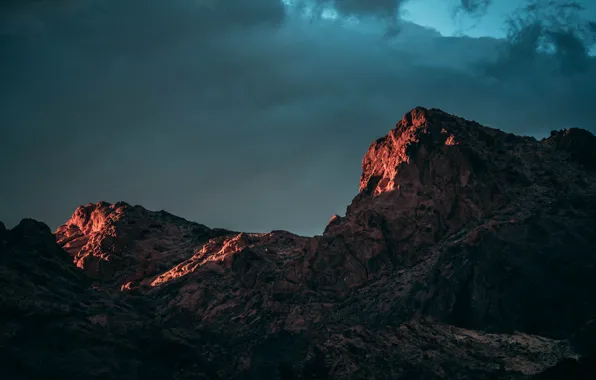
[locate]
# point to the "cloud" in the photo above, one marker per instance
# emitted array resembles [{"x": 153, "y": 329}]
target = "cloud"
[
  {"x": 237, "y": 117},
  {"x": 384, "y": 9},
  {"x": 30, "y": 17},
  {"x": 35, "y": 16},
  {"x": 387, "y": 8},
  {"x": 547, "y": 33},
  {"x": 474, "y": 7}
]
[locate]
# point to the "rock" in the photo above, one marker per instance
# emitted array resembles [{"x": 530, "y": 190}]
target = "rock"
[
  {"x": 578, "y": 143},
  {"x": 55, "y": 324},
  {"x": 570, "y": 368},
  {"x": 467, "y": 254},
  {"x": 489, "y": 227},
  {"x": 119, "y": 244}
]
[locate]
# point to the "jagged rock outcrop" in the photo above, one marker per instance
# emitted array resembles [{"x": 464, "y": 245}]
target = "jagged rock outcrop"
[
  {"x": 474, "y": 226},
  {"x": 577, "y": 143},
  {"x": 467, "y": 254},
  {"x": 56, "y": 324},
  {"x": 123, "y": 244}
]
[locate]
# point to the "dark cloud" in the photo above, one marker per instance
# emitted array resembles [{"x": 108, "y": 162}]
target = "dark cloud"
[
  {"x": 347, "y": 8},
  {"x": 475, "y": 7},
  {"x": 31, "y": 5},
  {"x": 546, "y": 33},
  {"x": 31, "y": 17},
  {"x": 248, "y": 119},
  {"x": 386, "y": 8},
  {"x": 36, "y": 16}
]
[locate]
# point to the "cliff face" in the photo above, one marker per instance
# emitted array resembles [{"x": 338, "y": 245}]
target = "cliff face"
[
  {"x": 497, "y": 227},
  {"x": 468, "y": 253}
]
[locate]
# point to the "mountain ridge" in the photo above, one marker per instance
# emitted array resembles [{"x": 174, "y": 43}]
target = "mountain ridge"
[{"x": 466, "y": 254}]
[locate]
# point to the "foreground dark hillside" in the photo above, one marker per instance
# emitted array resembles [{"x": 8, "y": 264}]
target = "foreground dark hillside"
[{"x": 469, "y": 253}]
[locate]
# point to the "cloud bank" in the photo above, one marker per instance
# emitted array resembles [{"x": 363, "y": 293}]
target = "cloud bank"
[{"x": 240, "y": 114}]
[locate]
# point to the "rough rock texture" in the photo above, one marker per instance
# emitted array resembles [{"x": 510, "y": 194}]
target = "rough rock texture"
[
  {"x": 53, "y": 324},
  {"x": 479, "y": 228},
  {"x": 468, "y": 253},
  {"x": 122, "y": 245}
]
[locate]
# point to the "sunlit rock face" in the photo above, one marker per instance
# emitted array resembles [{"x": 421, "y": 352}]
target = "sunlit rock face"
[
  {"x": 474, "y": 226},
  {"x": 123, "y": 245},
  {"x": 468, "y": 253}
]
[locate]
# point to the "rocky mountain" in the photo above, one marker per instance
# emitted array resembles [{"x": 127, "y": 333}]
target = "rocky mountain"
[
  {"x": 126, "y": 246},
  {"x": 469, "y": 253}
]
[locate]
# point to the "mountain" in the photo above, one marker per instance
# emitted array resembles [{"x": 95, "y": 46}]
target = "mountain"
[
  {"x": 468, "y": 253},
  {"x": 122, "y": 245}
]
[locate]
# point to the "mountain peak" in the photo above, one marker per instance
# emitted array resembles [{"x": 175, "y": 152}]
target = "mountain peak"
[
  {"x": 435, "y": 175},
  {"x": 118, "y": 243},
  {"x": 419, "y": 134},
  {"x": 95, "y": 216},
  {"x": 32, "y": 233},
  {"x": 578, "y": 143},
  {"x": 416, "y": 117}
]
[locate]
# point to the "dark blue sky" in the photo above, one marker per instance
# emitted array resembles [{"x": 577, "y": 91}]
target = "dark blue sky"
[{"x": 245, "y": 114}]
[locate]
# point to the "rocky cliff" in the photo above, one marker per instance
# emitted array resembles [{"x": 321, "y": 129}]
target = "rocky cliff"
[{"x": 468, "y": 253}]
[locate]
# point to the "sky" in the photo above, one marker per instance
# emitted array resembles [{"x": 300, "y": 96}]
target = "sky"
[
  {"x": 439, "y": 15},
  {"x": 254, "y": 115}
]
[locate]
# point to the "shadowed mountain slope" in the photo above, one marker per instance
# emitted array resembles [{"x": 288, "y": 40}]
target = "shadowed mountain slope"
[{"x": 468, "y": 253}]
